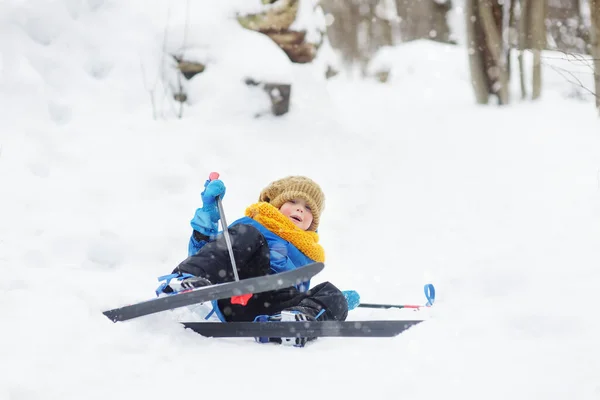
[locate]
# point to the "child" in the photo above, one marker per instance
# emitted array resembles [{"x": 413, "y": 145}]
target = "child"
[{"x": 277, "y": 234}]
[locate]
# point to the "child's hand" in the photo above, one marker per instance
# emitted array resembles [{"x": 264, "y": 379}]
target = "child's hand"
[
  {"x": 212, "y": 189},
  {"x": 206, "y": 218},
  {"x": 352, "y": 297}
]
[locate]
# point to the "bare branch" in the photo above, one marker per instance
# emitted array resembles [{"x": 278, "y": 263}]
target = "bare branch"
[
  {"x": 584, "y": 60},
  {"x": 569, "y": 76},
  {"x": 150, "y": 90},
  {"x": 564, "y": 73}
]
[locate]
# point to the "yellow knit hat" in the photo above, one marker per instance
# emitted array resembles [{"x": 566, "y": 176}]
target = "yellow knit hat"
[{"x": 296, "y": 187}]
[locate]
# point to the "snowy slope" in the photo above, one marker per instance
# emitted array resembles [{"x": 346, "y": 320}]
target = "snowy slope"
[{"x": 97, "y": 196}]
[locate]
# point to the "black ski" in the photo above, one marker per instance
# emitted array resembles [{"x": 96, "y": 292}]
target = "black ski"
[
  {"x": 301, "y": 329},
  {"x": 215, "y": 292}
]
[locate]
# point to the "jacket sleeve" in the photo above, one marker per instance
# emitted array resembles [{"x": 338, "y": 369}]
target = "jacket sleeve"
[
  {"x": 204, "y": 222},
  {"x": 204, "y": 230},
  {"x": 197, "y": 241}
]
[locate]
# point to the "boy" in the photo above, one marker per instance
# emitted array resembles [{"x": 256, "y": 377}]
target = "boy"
[{"x": 277, "y": 234}]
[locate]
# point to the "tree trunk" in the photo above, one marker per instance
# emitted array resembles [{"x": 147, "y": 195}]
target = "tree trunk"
[
  {"x": 565, "y": 26},
  {"x": 538, "y": 43},
  {"x": 423, "y": 19},
  {"x": 342, "y": 33},
  {"x": 522, "y": 30},
  {"x": 595, "y": 47},
  {"x": 475, "y": 50},
  {"x": 377, "y": 32},
  {"x": 493, "y": 37}
]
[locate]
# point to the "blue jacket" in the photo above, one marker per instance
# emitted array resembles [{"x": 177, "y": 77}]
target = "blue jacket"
[{"x": 284, "y": 256}]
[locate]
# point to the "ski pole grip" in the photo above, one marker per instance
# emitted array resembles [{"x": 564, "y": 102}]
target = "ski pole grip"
[
  {"x": 211, "y": 177},
  {"x": 429, "y": 294}
]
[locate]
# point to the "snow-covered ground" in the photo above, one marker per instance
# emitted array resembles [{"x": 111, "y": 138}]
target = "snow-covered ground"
[{"x": 96, "y": 198}]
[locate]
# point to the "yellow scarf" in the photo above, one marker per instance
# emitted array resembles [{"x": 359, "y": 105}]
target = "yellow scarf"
[{"x": 272, "y": 219}]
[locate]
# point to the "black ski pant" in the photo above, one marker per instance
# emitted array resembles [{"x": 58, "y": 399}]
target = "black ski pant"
[{"x": 252, "y": 259}]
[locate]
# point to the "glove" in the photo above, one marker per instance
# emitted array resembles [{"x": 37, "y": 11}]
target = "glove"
[
  {"x": 206, "y": 218},
  {"x": 352, "y": 297},
  {"x": 212, "y": 189}
]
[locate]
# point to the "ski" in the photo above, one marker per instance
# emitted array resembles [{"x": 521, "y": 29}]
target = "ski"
[
  {"x": 377, "y": 328},
  {"x": 216, "y": 292}
]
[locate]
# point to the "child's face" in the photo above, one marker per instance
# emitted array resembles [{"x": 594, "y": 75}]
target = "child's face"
[{"x": 298, "y": 212}]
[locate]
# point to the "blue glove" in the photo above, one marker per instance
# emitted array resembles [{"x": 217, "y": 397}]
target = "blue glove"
[
  {"x": 352, "y": 297},
  {"x": 212, "y": 189},
  {"x": 206, "y": 218}
]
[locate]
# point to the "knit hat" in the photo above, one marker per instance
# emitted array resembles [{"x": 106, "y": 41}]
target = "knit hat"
[{"x": 296, "y": 187}]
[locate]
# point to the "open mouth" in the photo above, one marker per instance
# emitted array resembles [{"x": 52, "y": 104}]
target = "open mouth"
[{"x": 296, "y": 218}]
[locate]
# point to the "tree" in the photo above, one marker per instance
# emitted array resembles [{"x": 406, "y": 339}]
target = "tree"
[
  {"x": 359, "y": 27},
  {"x": 595, "y": 46},
  {"x": 532, "y": 36},
  {"x": 488, "y": 54},
  {"x": 421, "y": 19}
]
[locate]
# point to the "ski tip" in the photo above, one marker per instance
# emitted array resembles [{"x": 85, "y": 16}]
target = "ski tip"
[{"x": 112, "y": 315}]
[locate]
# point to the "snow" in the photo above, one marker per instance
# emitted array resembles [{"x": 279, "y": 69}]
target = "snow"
[
  {"x": 97, "y": 196},
  {"x": 310, "y": 19}
]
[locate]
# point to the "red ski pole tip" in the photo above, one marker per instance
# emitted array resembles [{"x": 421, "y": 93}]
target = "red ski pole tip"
[{"x": 241, "y": 299}]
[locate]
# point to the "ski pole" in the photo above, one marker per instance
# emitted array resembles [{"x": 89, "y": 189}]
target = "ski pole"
[
  {"x": 212, "y": 177},
  {"x": 429, "y": 294},
  {"x": 241, "y": 299},
  {"x": 374, "y": 305}
]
